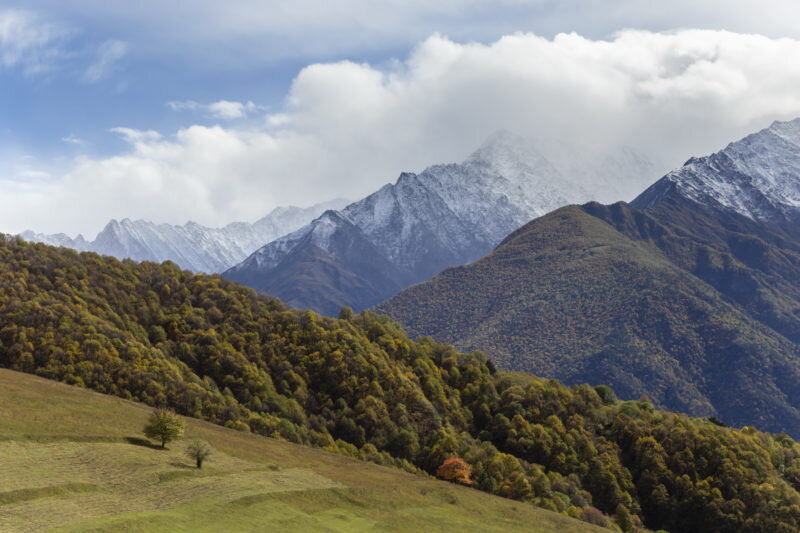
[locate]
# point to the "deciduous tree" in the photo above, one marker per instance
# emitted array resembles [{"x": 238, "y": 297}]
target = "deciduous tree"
[
  {"x": 456, "y": 470},
  {"x": 165, "y": 426},
  {"x": 199, "y": 451}
]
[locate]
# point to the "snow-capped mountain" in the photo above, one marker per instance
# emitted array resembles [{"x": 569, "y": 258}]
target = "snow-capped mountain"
[
  {"x": 57, "y": 239},
  {"x": 446, "y": 215},
  {"x": 192, "y": 246},
  {"x": 758, "y": 177}
]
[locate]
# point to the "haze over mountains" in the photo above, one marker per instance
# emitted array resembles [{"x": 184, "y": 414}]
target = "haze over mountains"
[
  {"x": 448, "y": 214},
  {"x": 690, "y": 295},
  {"x": 191, "y": 246}
]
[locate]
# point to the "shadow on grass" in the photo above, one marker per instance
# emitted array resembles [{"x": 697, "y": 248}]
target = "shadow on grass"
[{"x": 138, "y": 441}]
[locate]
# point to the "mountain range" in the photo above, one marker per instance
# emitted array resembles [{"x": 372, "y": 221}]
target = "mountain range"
[
  {"x": 686, "y": 298},
  {"x": 690, "y": 294},
  {"x": 446, "y": 215},
  {"x": 191, "y": 246}
]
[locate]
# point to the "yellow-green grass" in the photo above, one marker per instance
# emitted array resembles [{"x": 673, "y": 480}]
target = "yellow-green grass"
[{"x": 73, "y": 460}]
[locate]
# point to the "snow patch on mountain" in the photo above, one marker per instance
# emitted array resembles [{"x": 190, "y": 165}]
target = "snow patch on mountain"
[
  {"x": 454, "y": 213},
  {"x": 758, "y": 176},
  {"x": 58, "y": 239},
  {"x": 192, "y": 246}
]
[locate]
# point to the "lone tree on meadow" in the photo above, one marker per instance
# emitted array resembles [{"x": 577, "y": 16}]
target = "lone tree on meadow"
[
  {"x": 456, "y": 470},
  {"x": 165, "y": 426},
  {"x": 199, "y": 451}
]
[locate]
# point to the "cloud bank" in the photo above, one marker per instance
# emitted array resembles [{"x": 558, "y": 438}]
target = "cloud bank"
[{"x": 347, "y": 128}]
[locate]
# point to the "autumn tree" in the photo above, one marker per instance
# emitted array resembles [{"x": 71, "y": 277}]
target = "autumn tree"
[
  {"x": 199, "y": 451},
  {"x": 164, "y": 425},
  {"x": 456, "y": 470}
]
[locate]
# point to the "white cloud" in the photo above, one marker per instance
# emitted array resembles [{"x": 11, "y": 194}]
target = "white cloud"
[
  {"x": 184, "y": 105},
  {"x": 232, "y": 110},
  {"x": 222, "y": 109},
  {"x": 109, "y": 54},
  {"x": 73, "y": 139},
  {"x": 28, "y": 42},
  {"x": 38, "y": 45},
  {"x": 347, "y": 127},
  {"x": 137, "y": 137}
]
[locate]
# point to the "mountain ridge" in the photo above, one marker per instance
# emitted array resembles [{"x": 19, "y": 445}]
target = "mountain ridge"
[
  {"x": 446, "y": 215},
  {"x": 687, "y": 294},
  {"x": 578, "y": 300},
  {"x": 192, "y": 246},
  {"x": 757, "y": 177}
]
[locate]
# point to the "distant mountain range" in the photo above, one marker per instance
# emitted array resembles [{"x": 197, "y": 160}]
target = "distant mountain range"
[
  {"x": 451, "y": 214},
  {"x": 191, "y": 246},
  {"x": 690, "y": 295}
]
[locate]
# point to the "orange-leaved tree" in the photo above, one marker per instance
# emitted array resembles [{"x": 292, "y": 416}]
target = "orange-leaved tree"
[{"x": 455, "y": 469}]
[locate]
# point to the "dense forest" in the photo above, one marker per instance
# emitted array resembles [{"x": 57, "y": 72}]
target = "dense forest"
[{"x": 359, "y": 386}]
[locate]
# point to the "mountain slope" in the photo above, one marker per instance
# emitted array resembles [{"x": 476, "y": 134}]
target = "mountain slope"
[
  {"x": 191, "y": 246},
  {"x": 693, "y": 298},
  {"x": 86, "y": 450},
  {"x": 309, "y": 275},
  {"x": 359, "y": 386},
  {"x": 754, "y": 265},
  {"x": 444, "y": 216},
  {"x": 757, "y": 177},
  {"x": 574, "y": 298}
]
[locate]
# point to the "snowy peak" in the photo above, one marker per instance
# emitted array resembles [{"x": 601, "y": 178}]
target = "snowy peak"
[
  {"x": 787, "y": 130},
  {"x": 757, "y": 176},
  {"x": 58, "y": 239},
  {"x": 551, "y": 167},
  {"x": 281, "y": 218},
  {"x": 516, "y": 158},
  {"x": 192, "y": 246},
  {"x": 326, "y": 227},
  {"x": 319, "y": 232},
  {"x": 446, "y": 215},
  {"x": 504, "y": 146}
]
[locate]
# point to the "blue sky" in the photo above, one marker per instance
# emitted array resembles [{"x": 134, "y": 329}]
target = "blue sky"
[{"x": 79, "y": 79}]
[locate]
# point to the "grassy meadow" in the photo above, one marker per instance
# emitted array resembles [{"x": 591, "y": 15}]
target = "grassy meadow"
[{"x": 72, "y": 460}]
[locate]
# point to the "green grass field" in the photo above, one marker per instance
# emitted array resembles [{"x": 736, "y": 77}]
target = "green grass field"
[{"x": 72, "y": 460}]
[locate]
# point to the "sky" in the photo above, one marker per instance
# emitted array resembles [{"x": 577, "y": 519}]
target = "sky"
[{"x": 174, "y": 111}]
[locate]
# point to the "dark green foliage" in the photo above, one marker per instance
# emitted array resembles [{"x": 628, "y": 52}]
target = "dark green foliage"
[
  {"x": 359, "y": 386},
  {"x": 607, "y": 394},
  {"x": 696, "y": 308}
]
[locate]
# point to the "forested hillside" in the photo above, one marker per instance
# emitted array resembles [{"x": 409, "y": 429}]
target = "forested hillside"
[
  {"x": 358, "y": 386},
  {"x": 697, "y": 308}
]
